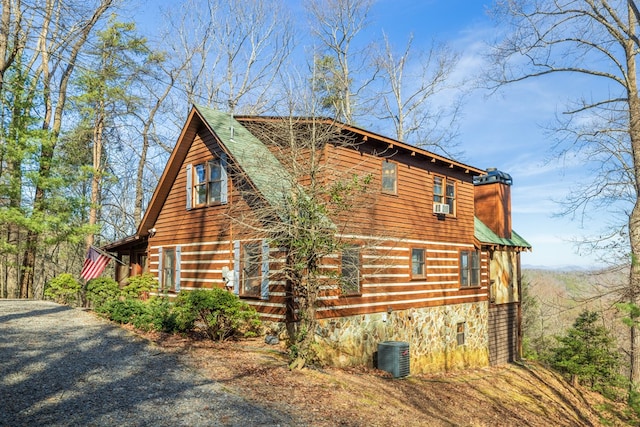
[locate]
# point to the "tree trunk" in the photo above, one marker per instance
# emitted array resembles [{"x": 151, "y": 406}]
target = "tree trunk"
[
  {"x": 634, "y": 218},
  {"x": 634, "y": 287},
  {"x": 29, "y": 264},
  {"x": 97, "y": 171}
]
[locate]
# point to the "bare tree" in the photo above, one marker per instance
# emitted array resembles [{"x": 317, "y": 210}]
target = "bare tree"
[
  {"x": 598, "y": 40},
  {"x": 303, "y": 213},
  {"x": 12, "y": 34},
  {"x": 342, "y": 69},
  {"x": 409, "y": 91},
  {"x": 235, "y": 52}
]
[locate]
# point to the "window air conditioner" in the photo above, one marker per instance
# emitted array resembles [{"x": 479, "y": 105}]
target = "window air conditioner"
[{"x": 441, "y": 208}]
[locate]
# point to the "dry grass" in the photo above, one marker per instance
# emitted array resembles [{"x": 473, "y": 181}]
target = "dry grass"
[{"x": 524, "y": 394}]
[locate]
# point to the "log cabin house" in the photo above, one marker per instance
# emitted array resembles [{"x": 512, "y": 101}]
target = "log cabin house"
[{"x": 432, "y": 260}]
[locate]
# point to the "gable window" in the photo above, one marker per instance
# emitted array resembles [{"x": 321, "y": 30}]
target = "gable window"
[
  {"x": 207, "y": 183},
  {"x": 250, "y": 269},
  {"x": 350, "y": 271},
  {"x": 444, "y": 191},
  {"x": 469, "y": 268},
  {"x": 417, "y": 263},
  {"x": 389, "y": 177}
]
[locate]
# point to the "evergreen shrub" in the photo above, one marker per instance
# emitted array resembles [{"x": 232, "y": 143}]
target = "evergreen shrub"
[
  {"x": 139, "y": 286},
  {"x": 218, "y": 313},
  {"x": 129, "y": 310},
  {"x": 63, "y": 289},
  {"x": 100, "y": 290}
]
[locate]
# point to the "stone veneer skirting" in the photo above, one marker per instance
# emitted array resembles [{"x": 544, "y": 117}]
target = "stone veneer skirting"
[{"x": 431, "y": 334}]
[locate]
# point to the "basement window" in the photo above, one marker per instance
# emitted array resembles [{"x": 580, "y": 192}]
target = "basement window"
[{"x": 460, "y": 338}]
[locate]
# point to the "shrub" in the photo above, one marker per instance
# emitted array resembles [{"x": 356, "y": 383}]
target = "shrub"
[
  {"x": 163, "y": 315},
  {"x": 219, "y": 313},
  {"x": 101, "y": 290},
  {"x": 129, "y": 310},
  {"x": 63, "y": 289},
  {"x": 137, "y": 286}
]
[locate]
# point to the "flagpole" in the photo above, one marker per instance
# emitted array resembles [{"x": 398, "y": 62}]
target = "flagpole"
[{"x": 100, "y": 251}]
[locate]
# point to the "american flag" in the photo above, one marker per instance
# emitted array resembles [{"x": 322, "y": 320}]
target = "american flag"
[{"x": 94, "y": 264}]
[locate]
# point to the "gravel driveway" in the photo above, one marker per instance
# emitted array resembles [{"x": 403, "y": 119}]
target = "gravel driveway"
[{"x": 64, "y": 367}]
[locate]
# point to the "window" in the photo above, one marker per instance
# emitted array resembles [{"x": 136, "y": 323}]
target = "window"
[
  {"x": 250, "y": 269},
  {"x": 389, "y": 177},
  {"x": 460, "y": 327},
  {"x": 207, "y": 183},
  {"x": 469, "y": 268},
  {"x": 168, "y": 269},
  {"x": 444, "y": 191},
  {"x": 417, "y": 263},
  {"x": 350, "y": 274}
]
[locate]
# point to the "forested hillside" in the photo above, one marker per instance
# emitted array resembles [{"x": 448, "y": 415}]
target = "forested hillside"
[{"x": 554, "y": 298}]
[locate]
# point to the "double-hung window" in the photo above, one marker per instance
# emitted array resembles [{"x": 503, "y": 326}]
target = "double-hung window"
[
  {"x": 469, "y": 268},
  {"x": 444, "y": 191},
  {"x": 417, "y": 263},
  {"x": 169, "y": 268},
  {"x": 389, "y": 177},
  {"x": 207, "y": 183},
  {"x": 251, "y": 269},
  {"x": 350, "y": 271}
]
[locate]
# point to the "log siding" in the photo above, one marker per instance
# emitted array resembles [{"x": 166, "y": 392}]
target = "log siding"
[
  {"x": 385, "y": 279},
  {"x": 385, "y": 226}
]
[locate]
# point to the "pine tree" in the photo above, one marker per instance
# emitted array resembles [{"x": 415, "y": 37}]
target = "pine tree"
[{"x": 588, "y": 354}]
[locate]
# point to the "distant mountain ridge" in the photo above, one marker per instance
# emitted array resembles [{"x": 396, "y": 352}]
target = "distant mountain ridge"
[{"x": 567, "y": 267}]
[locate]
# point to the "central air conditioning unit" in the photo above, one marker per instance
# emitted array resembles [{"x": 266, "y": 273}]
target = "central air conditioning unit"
[
  {"x": 441, "y": 208},
  {"x": 393, "y": 357}
]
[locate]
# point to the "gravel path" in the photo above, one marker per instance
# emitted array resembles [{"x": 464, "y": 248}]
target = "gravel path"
[{"x": 64, "y": 367}]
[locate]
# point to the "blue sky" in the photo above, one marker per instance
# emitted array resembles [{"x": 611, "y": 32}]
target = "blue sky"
[{"x": 503, "y": 131}]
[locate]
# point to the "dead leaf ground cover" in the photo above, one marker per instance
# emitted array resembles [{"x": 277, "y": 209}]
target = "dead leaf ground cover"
[{"x": 523, "y": 394}]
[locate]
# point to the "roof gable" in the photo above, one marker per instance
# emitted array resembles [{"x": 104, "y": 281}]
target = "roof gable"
[
  {"x": 484, "y": 235},
  {"x": 259, "y": 165}
]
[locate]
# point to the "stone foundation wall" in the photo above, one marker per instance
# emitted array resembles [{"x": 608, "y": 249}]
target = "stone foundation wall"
[{"x": 432, "y": 334}]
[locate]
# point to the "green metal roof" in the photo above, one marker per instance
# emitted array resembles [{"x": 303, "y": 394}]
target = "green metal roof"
[
  {"x": 262, "y": 168},
  {"x": 485, "y": 235}
]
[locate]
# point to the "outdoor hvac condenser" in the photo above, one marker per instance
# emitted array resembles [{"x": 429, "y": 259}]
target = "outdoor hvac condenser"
[{"x": 393, "y": 357}]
